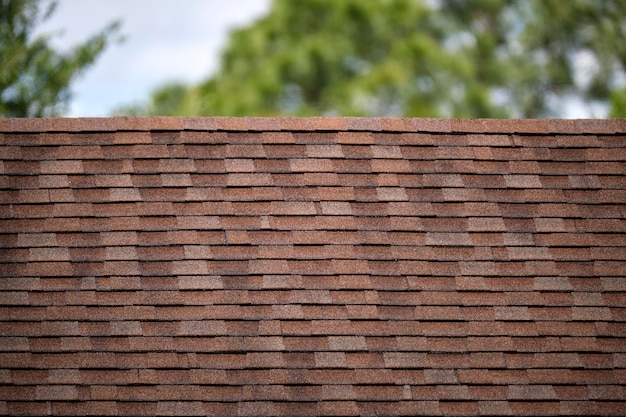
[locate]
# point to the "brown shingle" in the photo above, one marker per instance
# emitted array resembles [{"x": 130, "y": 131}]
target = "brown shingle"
[
  {"x": 354, "y": 138},
  {"x": 467, "y": 125},
  {"x": 6, "y": 125},
  {"x": 363, "y": 123},
  {"x": 197, "y": 123},
  {"x": 230, "y": 123},
  {"x": 262, "y": 124},
  {"x": 329, "y": 123},
  {"x": 28, "y": 125},
  {"x": 393, "y": 124},
  {"x": 432, "y": 125},
  {"x": 295, "y": 124}
]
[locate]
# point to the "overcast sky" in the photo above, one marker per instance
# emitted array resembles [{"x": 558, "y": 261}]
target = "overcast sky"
[{"x": 165, "y": 40}]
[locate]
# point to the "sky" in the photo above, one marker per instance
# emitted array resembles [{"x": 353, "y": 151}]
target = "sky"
[{"x": 165, "y": 40}]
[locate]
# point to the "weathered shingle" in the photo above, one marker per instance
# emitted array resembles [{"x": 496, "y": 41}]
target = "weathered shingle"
[{"x": 321, "y": 266}]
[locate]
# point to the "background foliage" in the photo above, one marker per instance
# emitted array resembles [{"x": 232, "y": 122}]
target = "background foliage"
[
  {"x": 416, "y": 58},
  {"x": 34, "y": 78},
  {"x": 446, "y": 58}
]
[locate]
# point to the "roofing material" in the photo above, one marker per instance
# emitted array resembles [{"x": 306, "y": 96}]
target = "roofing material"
[{"x": 320, "y": 266}]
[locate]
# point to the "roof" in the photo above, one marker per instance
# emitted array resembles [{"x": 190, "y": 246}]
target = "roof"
[{"x": 315, "y": 266}]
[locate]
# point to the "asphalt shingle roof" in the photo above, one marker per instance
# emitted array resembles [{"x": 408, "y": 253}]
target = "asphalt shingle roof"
[{"x": 320, "y": 266}]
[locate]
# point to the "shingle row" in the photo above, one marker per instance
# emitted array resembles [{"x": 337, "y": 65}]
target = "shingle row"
[{"x": 261, "y": 124}]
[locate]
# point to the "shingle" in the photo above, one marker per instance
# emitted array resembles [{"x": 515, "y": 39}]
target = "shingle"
[
  {"x": 296, "y": 124},
  {"x": 390, "y": 165},
  {"x": 311, "y": 165},
  {"x": 262, "y": 124},
  {"x": 432, "y": 125},
  {"x": 596, "y": 126},
  {"x": 27, "y": 125},
  {"x": 336, "y": 208},
  {"x": 285, "y": 151},
  {"x": 363, "y": 123},
  {"x": 198, "y": 123},
  {"x": 314, "y": 138},
  {"x": 324, "y": 151},
  {"x": 230, "y": 123},
  {"x": 329, "y": 123},
  {"x": 129, "y": 138},
  {"x": 522, "y": 181},
  {"x": 354, "y": 138},
  {"x": 239, "y": 165},
  {"x": 531, "y": 126},
  {"x": 488, "y": 140},
  {"x": 439, "y": 180},
  {"x": 467, "y": 125},
  {"x": 393, "y": 124},
  {"x": 61, "y": 167},
  {"x": 391, "y": 194},
  {"x": 6, "y": 125},
  {"x": 245, "y": 151}
]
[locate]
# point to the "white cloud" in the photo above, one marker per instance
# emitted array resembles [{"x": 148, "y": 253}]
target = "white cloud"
[{"x": 165, "y": 40}]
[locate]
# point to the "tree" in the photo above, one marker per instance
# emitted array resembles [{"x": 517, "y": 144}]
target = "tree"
[
  {"x": 168, "y": 99},
  {"x": 618, "y": 103},
  {"x": 543, "y": 53},
  {"x": 34, "y": 78},
  {"x": 450, "y": 58}
]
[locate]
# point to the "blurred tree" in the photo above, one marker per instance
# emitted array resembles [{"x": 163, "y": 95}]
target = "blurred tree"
[
  {"x": 540, "y": 54},
  {"x": 168, "y": 99},
  {"x": 445, "y": 58},
  {"x": 34, "y": 78},
  {"x": 618, "y": 103}
]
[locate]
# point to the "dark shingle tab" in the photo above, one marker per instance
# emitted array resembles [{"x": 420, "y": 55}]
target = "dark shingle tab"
[{"x": 312, "y": 266}]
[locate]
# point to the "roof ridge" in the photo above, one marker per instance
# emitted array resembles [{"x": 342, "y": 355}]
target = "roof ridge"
[{"x": 268, "y": 124}]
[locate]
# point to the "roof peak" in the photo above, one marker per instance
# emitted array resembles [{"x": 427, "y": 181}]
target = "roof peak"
[{"x": 295, "y": 124}]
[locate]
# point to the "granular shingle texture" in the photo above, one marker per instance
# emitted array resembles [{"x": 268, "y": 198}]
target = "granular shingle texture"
[{"x": 323, "y": 266}]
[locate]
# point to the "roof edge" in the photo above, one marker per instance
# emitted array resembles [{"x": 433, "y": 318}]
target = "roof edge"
[{"x": 266, "y": 124}]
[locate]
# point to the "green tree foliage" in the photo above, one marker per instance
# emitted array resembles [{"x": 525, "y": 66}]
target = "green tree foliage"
[
  {"x": 445, "y": 58},
  {"x": 34, "y": 78},
  {"x": 618, "y": 103},
  {"x": 168, "y": 99}
]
